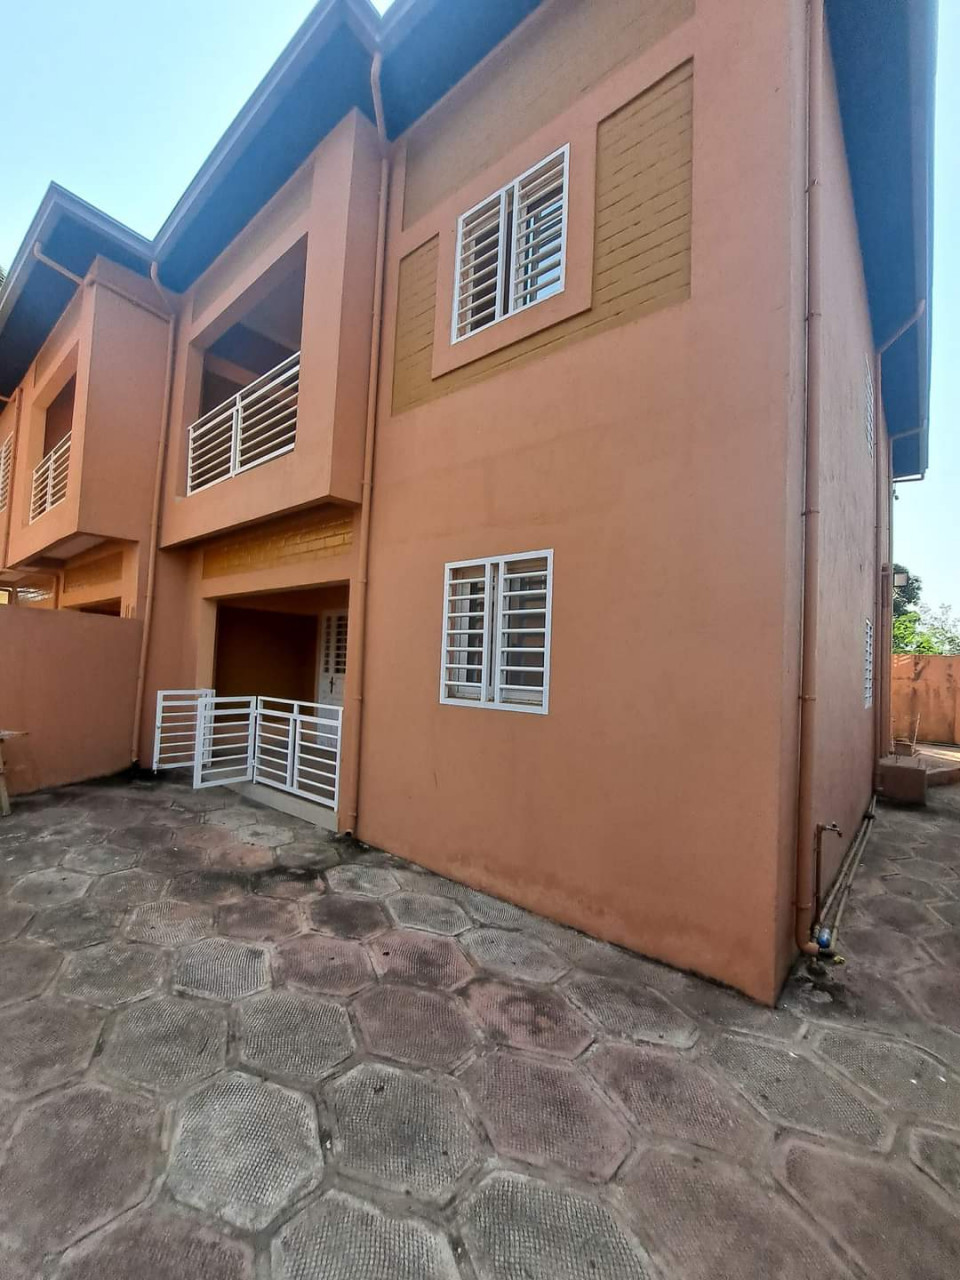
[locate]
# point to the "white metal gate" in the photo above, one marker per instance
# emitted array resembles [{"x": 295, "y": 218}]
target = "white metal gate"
[{"x": 294, "y": 746}]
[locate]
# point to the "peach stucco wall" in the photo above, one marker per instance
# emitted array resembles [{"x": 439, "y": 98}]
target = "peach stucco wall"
[
  {"x": 926, "y": 688},
  {"x": 68, "y": 679}
]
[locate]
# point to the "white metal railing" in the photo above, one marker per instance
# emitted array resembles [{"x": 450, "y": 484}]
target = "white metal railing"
[
  {"x": 298, "y": 748},
  {"x": 6, "y": 462},
  {"x": 175, "y": 735},
  {"x": 257, "y": 424},
  {"x": 50, "y": 479}
]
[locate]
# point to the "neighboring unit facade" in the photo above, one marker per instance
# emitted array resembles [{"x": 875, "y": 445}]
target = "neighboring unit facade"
[{"x": 513, "y": 465}]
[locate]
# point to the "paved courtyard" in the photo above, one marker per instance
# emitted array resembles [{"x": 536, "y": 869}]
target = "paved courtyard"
[{"x": 232, "y": 1047}]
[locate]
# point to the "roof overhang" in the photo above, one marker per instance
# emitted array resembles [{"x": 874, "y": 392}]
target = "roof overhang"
[{"x": 884, "y": 52}]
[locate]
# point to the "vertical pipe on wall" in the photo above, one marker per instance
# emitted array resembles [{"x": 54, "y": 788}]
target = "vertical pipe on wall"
[{"x": 358, "y": 608}]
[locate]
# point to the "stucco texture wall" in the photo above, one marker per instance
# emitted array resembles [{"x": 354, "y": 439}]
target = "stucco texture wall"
[{"x": 926, "y": 697}]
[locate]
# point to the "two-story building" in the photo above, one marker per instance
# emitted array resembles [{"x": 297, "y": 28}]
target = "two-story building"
[{"x": 547, "y": 359}]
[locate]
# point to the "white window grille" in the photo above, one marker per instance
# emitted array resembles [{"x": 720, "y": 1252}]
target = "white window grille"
[
  {"x": 511, "y": 247},
  {"x": 6, "y": 459},
  {"x": 870, "y": 406},
  {"x": 868, "y": 663},
  {"x": 496, "y": 632},
  {"x": 255, "y": 426},
  {"x": 333, "y": 646},
  {"x": 50, "y": 479}
]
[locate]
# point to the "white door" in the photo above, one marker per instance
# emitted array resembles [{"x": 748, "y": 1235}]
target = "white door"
[{"x": 333, "y": 657}]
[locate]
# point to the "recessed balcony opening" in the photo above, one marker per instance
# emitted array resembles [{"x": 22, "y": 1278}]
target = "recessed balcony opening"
[
  {"x": 59, "y": 416},
  {"x": 50, "y": 474},
  {"x": 250, "y": 382}
]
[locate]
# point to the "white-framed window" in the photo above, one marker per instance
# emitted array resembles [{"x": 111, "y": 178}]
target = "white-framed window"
[
  {"x": 867, "y": 663},
  {"x": 496, "y": 632},
  {"x": 6, "y": 460},
  {"x": 511, "y": 247},
  {"x": 869, "y": 405}
]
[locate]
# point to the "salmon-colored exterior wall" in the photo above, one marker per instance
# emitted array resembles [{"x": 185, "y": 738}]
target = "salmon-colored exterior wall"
[{"x": 926, "y": 697}]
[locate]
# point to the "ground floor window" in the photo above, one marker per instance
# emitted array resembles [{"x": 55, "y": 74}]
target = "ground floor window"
[{"x": 496, "y": 632}]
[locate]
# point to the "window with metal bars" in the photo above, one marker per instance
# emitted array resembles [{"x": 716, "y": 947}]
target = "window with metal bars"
[
  {"x": 6, "y": 459},
  {"x": 511, "y": 247},
  {"x": 496, "y": 632},
  {"x": 867, "y": 663},
  {"x": 870, "y": 407}
]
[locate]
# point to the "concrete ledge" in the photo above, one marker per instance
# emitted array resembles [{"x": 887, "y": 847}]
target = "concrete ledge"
[{"x": 326, "y": 819}]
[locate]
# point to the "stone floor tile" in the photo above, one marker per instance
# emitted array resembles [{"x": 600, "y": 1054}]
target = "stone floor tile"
[
  {"x": 405, "y": 1132},
  {"x": 945, "y": 948},
  {"x": 100, "y": 859},
  {"x": 166, "y": 1044},
  {"x": 785, "y": 1086},
  {"x": 288, "y": 882},
  {"x": 15, "y": 1265},
  {"x": 406, "y": 955},
  {"x": 296, "y": 1036},
  {"x": 709, "y": 1220},
  {"x": 931, "y": 869},
  {"x": 29, "y": 855},
  {"x": 44, "y": 1043},
  {"x": 421, "y": 1028},
  {"x": 371, "y": 882},
  {"x": 671, "y": 1097},
  {"x": 938, "y": 1156},
  {"x": 897, "y": 1072},
  {"x": 312, "y": 852},
  {"x": 348, "y": 916},
  {"x": 938, "y": 992},
  {"x": 341, "y": 1238},
  {"x": 25, "y": 969},
  {"x": 259, "y": 919},
  {"x": 14, "y": 917},
  {"x": 243, "y": 1149},
  {"x": 143, "y": 836},
  {"x": 526, "y": 1017},
  {"x": 207, "y": 885},
  {"x": 886, "y": 950},
  {"x": 632, "y": 1012},
  {"x": 913, "y": 888},
  {"x": 546, "y": 1113},
  {"x": 75, "y": 1161},
  {"x": 948, "y": 912},
  {"x": 732, "y": 1011},
  {"x": 112, "y": 974},
  {"x": 222, "y": 969},
  {"x": 235, "y": 856},
  {"x": 885, "y": 1217},
  {"x": 50, "y": 888},
  {"x": 895, "y": 913},
  {"x": 127, "y": 889},
  {"x": 514, "y": 955},
  {"x": 157, "y": 1245},
  {"x": 235, "y": 816},
  {"x": 487, "y": 910},
  {"x": 200, "y": 835},
  {"x": 520, "y": 1229},
  {"x": 851, "y": 994},
  {"x": 169, "y": 923},
  {"x": 271, "y": 835},
  {"x": 422, "y": 911},
  {"x": 331, "y": 966},
  {"x": 173, "y": 860}
]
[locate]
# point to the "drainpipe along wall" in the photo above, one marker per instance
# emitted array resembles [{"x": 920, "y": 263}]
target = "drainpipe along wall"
[{"x": 358, "y": 598}]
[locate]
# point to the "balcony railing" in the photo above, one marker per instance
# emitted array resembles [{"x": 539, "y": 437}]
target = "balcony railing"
[
  {"x": 50, "y": 479},
  {"x": 258, "y": 424}
]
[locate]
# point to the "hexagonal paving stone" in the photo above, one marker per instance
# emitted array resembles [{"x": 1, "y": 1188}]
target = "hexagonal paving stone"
[
  {"x": 266, "y": 834},
  {"x": 885, "y": 949},
  {"x": 234, "y": 817},
  {"x": 928, "y": 869},
  {"x": 173, "y": 860},
  {"x": 529, "y": 1017},
  {"x": 25, "y": 969},
  {"x": 208, "y": 886},
  {"x": 708, "y": 1220},
  {"x": 519, "y": 1229},
  {"x": 405, "y": 955},
  {"x": 127, "y": 889},
  {"x": 420, "y": 911},
  {"x": 232, "y": 855},
  {"x": 946, "y": 948},
  {"x": 101, "y": 859},
  {"x": 949, "y": 912},
  {"x": 896, "y": 913},
  {"x": 347, "y": 916},
  {"x": 48, "y": 888},
  {"x": 113, "y": 974},
  {"x": 44, "y": 1043},
  {"x": 14, "y": 917},
  {"x": 29, "y": 855},
  {"x": 939, "y": 993},
  {"x": 911, "y": 887},
  {"x": 203, "y": 836},
  {"x": 143, "y": 836},
  {"x": 76, "y": 1161},
  {"x": 314, "y": 852},
  {"x": 515, "y": 955},
  {"x": 342, "y": 1238},
  {"x": 292, "y": 1035},
  {"x": 547, "y": 1113},
  {"x": 487, "y": 910},
  {"x": 632, "y": 1012},
  {"x": 169, "y": 923},
  {"x": 938, "y": 1156},
  {"x": 422, "y": 1028},
  {"x": 674, "y": 1098},
  {"x": 243, "y": 1149},
  {"x": 783, "y": 1085},
  {"x": 259, "y": 919},
  {"x": 166, "y": 1044},
  {"x": 222, "y": 968},
  {"x": 896, "y": 1072},
  {"x": 876, "y": 1211},
  {"x": 157, "y": 1245},
  {"x": 371, "y": 882},
  {"x": 333, "y": 966},
  {"x": 288, "y": 882},
  {"x": 76, "y": 925},
  {"x": 403, "y": 1131}
]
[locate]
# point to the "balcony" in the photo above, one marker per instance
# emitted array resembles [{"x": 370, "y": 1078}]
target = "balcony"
[
  {"x": 50, "y": 479},
  {"x": 255, "y": 426}
]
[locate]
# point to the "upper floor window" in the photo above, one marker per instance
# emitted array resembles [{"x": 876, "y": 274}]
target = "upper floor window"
[
  {"x": 6, "y": 460},
  {"x": 511, "y": 247},
  {"x": 496, "y": 632}
]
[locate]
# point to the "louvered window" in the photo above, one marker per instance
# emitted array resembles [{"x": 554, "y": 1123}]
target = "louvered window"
[
  {"x": 870, "y": 407},
  {"x": 868, "y": 663},
  {"x": 511, "y": 247},
  {"x": 334, "y": 644},
  {"x": 6, "y": 459},
  {"x": 496, "y": 632}
]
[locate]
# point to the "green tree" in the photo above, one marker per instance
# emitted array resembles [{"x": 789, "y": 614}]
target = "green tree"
[
  {"x": 908, "y": 637},
  {"x": 942, "y": 628},
  {"x": 906, "y": 597}
]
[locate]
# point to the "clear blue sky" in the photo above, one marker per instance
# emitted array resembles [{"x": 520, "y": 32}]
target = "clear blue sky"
[{"x": 169, "y": 78}]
